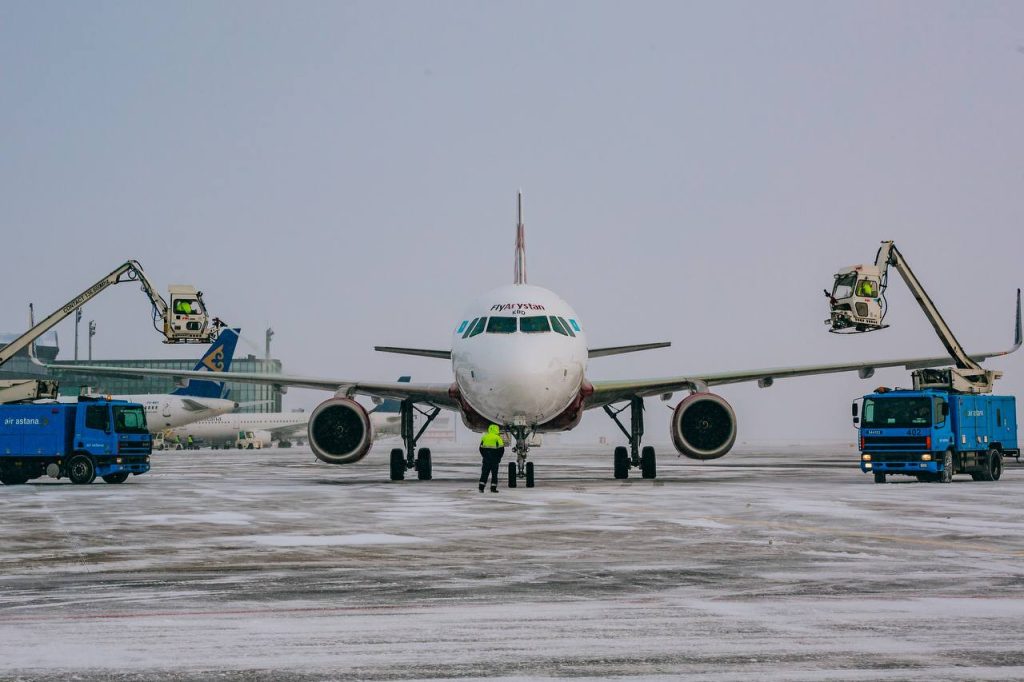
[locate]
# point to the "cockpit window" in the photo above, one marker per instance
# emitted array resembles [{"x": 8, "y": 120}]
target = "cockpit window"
[
  {"x": 557, "y": 326},
  {"x": 469, "y": 328},
  {"x": 501, "y": 325},
  {"x": 477, "y": 328},
  {"x": 866, "y": 288},
  {"x": 462, "y": 327},
  {"x": 534, "y": 324},
  {"x": 567, "y": 327},
  {"x": 574, "y": 324}
]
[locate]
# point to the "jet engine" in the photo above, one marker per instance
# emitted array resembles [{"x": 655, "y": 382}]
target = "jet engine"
[
  {"x": 703, "y": 426},
  {"x": 339, "y": 431}
]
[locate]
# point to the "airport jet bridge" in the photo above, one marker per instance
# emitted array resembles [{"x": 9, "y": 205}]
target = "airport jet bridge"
[
  {"x": 183, "y": 320},
  {"x": 858, "y": 305}
]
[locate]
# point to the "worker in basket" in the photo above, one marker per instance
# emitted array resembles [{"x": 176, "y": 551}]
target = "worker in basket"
[
  {"x": 183, "y": 307},
  {"x": 492, "y": 448},
  {"x": 866, "y": 289}
]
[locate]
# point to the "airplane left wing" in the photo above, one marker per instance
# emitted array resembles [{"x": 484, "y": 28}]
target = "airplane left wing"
[
  {"x": 436, "y": 394},
  {"x": 608, "y": 392}
]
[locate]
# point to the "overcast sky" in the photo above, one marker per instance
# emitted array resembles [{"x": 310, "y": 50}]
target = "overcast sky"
[{"x": 346, "y": 173}]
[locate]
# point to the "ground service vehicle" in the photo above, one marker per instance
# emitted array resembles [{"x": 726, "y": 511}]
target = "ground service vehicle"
[
  {"x": 249, "y": 440},
  {"x": 933, "y": 434},
  {"x": 184, "y": 320},
  {"x": 80, "y": 441}
]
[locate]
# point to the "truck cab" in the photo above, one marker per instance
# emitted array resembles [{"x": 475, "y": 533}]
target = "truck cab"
[{"x": 934, "y": 434}]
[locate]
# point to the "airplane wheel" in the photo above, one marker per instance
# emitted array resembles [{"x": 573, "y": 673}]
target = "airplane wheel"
[
  {"x": 512, "y": 483},
  {"x": 648, "y": 463},
  {"x": 424, "y": 468},
  {"x": 879, "y": 477},
  {"x": 529, "y": 474},
  {"x": 398, "y": 464},
  {"x": 119, "y": 477},
  {"x": 621, "y": 462},
  {"x": 81, "y": 470}
]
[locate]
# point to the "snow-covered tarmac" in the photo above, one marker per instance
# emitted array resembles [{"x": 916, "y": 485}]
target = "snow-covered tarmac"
[{"x": 772, "y": 563}]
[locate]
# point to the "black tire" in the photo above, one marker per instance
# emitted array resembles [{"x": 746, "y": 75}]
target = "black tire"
[
  {"x": 946, "y": 475},
  {"x": 251, "y": 446},
  {"x": 424, "y": 467},
  {"x": 512, "y": 474},
  {"x": 879, "y": 477},
  {"x": 978, "y": 476},
  {"x": 648, "y": 463},
  {"x": 993, "y": 466},
  {"x": 116, "y": 478},
  {"x": 529, "y": 474},
  {"x": 81, "y": 469},
  {"x": 284, "y": 444},
  {"x": 621, "y": 462},
  {"x": 13, "y": 479},
  {"x": 398, "y": 464}
]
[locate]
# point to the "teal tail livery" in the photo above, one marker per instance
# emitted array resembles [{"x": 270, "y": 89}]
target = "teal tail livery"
[
  {"x": 390, "y": 405},
  {"x": 216, "y": 359}
]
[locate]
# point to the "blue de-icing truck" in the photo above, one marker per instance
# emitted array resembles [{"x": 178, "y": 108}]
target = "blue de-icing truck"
[
  {"x": 78, "y": 441},
  {"x": 933, "y": 434}
]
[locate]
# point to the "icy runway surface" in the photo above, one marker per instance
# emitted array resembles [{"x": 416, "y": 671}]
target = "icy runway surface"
[{"x": 775, "y": 562}]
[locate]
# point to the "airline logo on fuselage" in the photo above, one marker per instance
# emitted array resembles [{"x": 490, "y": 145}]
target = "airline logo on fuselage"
[{"x": 517, "y": 308}]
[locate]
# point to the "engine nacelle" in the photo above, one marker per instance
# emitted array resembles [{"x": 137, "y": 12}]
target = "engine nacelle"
[
  {"x": 339, "y": 431},
  {"x": 703, "y": 426}
]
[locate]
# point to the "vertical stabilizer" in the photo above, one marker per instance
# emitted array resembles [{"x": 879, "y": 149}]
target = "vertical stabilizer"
[{"x": 520, "y": 243}]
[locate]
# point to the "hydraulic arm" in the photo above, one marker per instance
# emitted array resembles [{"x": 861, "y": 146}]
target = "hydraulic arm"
[
  {"x": 858, "y": 305},
  {"x": 183, "y": 320}
]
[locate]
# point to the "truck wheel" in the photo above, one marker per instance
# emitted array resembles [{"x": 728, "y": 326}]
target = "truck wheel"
[
  {"x": 879, "y": 477},
  {"x": 13, "y": 479},
  {"x": 946, "y": 475},
  {"x": 120, "y": 477},
  {"x": 81, "y": 470},
  {"x": 993, "y": 466}
]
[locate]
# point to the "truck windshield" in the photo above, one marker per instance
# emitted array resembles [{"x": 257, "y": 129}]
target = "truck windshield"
[
  {"x": 897, "y": 412},
  {"x": 844, "y": 285},
  {"x": 131, "y": 419}
]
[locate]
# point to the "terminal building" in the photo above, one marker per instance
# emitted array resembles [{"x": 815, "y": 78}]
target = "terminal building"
[{"x": 250, "y": 397}]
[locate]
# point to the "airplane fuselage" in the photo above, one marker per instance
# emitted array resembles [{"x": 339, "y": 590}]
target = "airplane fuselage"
[{"x": 519, "y": 356}]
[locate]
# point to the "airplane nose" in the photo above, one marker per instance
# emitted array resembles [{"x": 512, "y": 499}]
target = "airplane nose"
[{"x": 532, "y": 387}]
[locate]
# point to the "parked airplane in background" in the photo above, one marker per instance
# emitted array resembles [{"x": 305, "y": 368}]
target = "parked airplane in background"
[
  {"x": 519, "y": 358},
  {"x": 283, "y": 427},
  {"x": 200, "y": 399}
]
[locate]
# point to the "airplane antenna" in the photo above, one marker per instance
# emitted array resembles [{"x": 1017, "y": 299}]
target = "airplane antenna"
[{"x": 520, "y": 273}]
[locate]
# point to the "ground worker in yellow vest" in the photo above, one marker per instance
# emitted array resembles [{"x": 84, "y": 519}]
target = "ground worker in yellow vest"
[{"x": 492, "y": 448}]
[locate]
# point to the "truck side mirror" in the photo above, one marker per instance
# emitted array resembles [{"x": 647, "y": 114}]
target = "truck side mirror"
[
  {"x": 856, "y": 420},
  {"x": 853, "y": 409}
]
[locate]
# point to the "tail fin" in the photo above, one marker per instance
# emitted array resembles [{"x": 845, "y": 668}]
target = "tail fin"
[
  {"x": 391, "y": 405},
  {"x": 216, "y": 359},
  {"x": 520, "y": 275}
]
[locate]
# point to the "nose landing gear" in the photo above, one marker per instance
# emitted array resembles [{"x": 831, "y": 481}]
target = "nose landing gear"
[
  {"x": 644, "y": 458},
  {"x": 521, "y": 468}
]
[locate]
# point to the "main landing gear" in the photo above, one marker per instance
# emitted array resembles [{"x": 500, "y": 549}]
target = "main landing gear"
[
  {"x": 407, "y": 459},
  {"x": 635, "y": 456},
  {"x": 520, "y": 468}
]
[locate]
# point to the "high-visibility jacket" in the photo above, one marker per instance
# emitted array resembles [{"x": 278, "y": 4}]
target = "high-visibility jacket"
[{"x": 492, "y": 439}]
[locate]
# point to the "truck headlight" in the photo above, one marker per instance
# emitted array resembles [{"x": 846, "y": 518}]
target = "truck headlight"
[
  {"x": 866, "y": 458},
  {"x": 926, "y": 457},
  {"x": 867, "y": 465},
  {"x": 118, "y": 460}
]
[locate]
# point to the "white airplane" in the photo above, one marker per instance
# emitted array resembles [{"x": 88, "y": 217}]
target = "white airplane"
[
  {"x": 200, "y": 399},
  {"x": 519, "y": 358},
  {"x": 283, "y": 427}
]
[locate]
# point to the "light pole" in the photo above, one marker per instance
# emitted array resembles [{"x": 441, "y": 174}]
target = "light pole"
[
  {"x": 92, "y": 333},
  {"x": 78, "y": 318}
]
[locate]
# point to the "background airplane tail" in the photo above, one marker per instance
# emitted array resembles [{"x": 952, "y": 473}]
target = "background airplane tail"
[
  {"x": 216, "y": 359},
  {"x": 391, "y": 405}
]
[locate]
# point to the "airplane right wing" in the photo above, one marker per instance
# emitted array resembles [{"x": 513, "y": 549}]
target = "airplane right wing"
[{"x": 435, "y": 394}]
